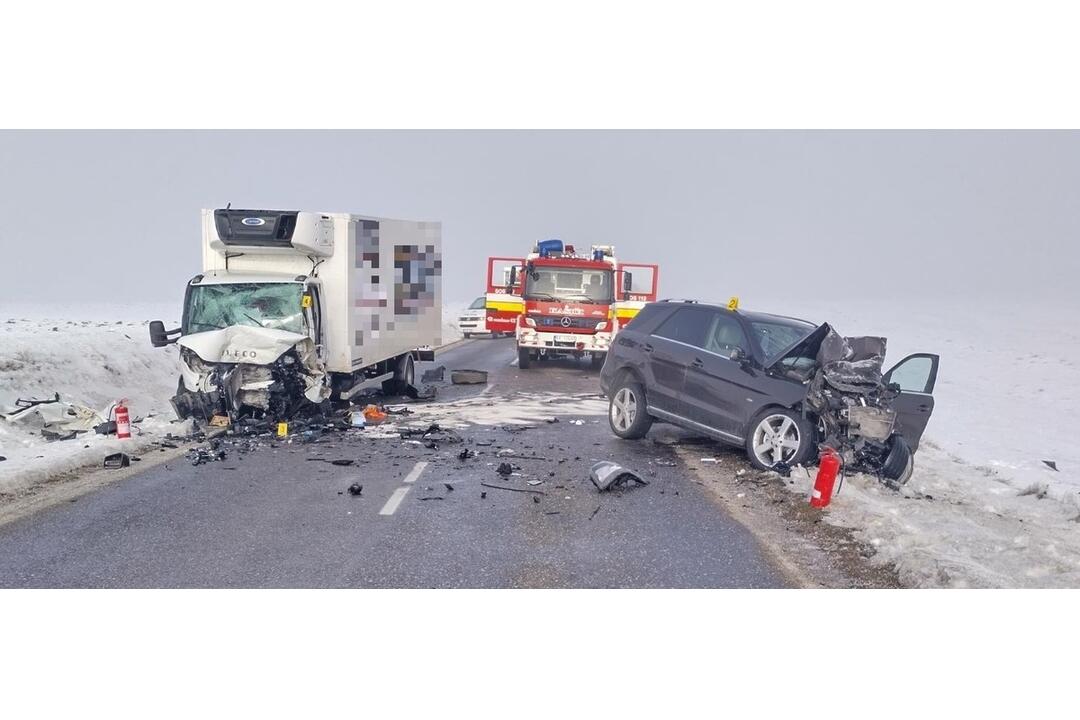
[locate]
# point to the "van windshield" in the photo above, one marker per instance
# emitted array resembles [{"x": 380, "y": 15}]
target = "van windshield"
[
  {"x": 276, "y": 306},
  {"x": 479, "y": 303}
]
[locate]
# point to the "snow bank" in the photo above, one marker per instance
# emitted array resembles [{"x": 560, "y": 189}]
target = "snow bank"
[{"x": 93, "y": 356}]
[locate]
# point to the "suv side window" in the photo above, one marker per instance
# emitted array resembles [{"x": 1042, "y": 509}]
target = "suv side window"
[
  {"x": 725, "y": 335},
  {"x": 687, "y": 325}
]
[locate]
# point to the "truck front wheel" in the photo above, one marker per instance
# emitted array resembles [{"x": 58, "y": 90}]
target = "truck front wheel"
[{"x": 523, "y": 358}]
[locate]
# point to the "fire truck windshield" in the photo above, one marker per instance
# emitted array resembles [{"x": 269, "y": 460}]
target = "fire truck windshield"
[{"x": 570, "y": 284}]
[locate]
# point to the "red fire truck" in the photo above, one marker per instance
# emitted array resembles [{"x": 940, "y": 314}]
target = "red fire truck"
[{"x": 559, "y": 302}]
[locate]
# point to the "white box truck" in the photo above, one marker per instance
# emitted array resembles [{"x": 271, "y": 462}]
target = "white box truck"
[{"x": 292, "y": 309}]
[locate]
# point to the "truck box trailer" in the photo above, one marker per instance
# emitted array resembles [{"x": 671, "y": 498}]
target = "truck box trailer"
[{"x": 292, "y": 308}]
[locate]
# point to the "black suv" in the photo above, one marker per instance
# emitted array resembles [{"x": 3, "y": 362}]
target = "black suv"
[{"x": 775, "y": 385}]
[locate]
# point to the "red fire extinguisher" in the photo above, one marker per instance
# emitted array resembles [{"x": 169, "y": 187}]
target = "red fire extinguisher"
[
  {"x": 828, "y": 467},
  {"x": 123, "y": 421}
]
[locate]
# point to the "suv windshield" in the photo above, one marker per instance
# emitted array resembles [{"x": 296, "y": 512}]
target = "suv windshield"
[
  {"x": 549, "y": 283},
  {"x": 479, "y": 303},
  {"x": 268, "y": 305},
  {"x": 774, "y": 336}
]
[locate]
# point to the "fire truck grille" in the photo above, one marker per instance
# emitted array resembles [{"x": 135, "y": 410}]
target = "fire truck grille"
[{"x": 579, "y": 323}]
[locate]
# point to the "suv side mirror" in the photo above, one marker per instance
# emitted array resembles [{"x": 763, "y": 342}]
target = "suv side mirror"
[
  {"x": 159, "y": 336},
  {"x": 739, "y": 355}
]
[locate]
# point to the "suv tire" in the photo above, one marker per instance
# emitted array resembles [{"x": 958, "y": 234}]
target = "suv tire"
[
  {"x": 779, "y": 429},
  {"x": 523, "y": 358},
  {"x": 627, "y": 413}
]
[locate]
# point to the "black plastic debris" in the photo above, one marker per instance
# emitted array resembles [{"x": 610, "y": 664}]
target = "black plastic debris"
[
  {"x": 505, "y": 468},
  {"x": 449, "y": 487},
  {"x": 513, "y": 489},
  {"x": 434, "y": 375},
  {"x": 428, "y": 392},
  {"x": 116, "y": 460},
  {"x": 2, "y": 458},
  {"x": 343, "y": 462},
  {"x": 53, "y": 436},
  {"x": 355, "y": 489},
  {"x": 552, "y": 420},
  {"x": 106, "y": 428},
  {"x": 606, "y": 475},
  {"x": 466, "y": 453},
  {"x": 1051, "y": 464},
  {"x": 483, "y": 495}
]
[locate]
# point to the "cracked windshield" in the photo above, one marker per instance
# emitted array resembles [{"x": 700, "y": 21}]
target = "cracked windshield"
[{"x": 269, "y": 305}]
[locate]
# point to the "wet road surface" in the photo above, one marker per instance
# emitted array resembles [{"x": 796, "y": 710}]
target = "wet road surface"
[{"x": 273, "y": 517}]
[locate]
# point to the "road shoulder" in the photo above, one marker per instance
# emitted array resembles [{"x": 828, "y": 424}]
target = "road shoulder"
[{"x": 810, "y": 552}]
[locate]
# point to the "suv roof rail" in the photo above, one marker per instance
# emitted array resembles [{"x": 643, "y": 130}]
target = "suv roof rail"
[{"x": 682, "y": 300}]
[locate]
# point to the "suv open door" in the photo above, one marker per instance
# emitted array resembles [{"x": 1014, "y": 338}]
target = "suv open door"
[{"x": 916, "y": 375}]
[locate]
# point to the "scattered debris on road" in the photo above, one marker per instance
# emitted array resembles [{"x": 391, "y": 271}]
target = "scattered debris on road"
[
  {"x": 1051, "y": 464},
  {"x": 356, "y": 489},
  {"x": 513, "y": 489},
  {"x": 342, "y": 462},
  {"x": 117, "y": 460},
  {"x": 434, "y": 375},
  {"x": 466, "y": 453},
  {"x": 606, "y": 475},
  {"x": 469, "y": 377},
  {"x": 505, "y": 469}
]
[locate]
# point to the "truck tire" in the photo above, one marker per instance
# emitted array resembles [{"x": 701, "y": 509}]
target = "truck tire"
[
  {"x": 627, "y": 413},
  {"x": 404, "y": 373},
  {"x": 523, "y": 358}
]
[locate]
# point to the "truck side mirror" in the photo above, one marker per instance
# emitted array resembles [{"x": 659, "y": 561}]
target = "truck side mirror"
[
  {"x": 627, "y": 283},
  {"x": 513, "y": 278},
  {"x": 159, "y": 336}
]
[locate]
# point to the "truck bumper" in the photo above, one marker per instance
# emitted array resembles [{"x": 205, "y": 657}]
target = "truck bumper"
[{"x": 563, "y": 342}]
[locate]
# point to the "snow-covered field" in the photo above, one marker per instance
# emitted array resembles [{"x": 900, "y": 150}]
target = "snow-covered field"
[{"x": 981, "y": 510}]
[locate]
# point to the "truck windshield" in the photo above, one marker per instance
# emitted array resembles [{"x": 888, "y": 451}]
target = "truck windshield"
[
  {"x": 569, "y": 284},
  {"x": 269, "y": 305}
]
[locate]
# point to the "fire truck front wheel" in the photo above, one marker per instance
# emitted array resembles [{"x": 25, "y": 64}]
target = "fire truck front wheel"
[{"x": 524, "y": 358}]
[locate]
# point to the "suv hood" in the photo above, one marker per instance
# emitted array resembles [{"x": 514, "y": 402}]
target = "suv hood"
[{"x": 241, "y": 344}]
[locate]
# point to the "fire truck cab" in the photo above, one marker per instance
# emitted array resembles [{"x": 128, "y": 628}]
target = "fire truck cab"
[{"x": 564, "y": 303}]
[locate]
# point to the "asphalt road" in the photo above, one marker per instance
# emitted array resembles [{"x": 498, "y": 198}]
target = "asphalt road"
[{"x": 274, "y": 517}]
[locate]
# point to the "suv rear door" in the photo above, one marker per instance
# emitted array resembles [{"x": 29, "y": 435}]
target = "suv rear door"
[
  {"x": 916, "y": 375},
  {"x": 670, "y": 349}
]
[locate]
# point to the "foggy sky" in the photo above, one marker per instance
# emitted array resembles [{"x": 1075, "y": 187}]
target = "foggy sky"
[{"x": 109, "y": 216}]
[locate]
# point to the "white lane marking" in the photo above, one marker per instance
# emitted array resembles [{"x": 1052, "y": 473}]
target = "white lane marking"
[
  {"x": 415, "y": 472},
  {"x": 395, "y": 500},
  {"x": 487, "y": 389}
]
